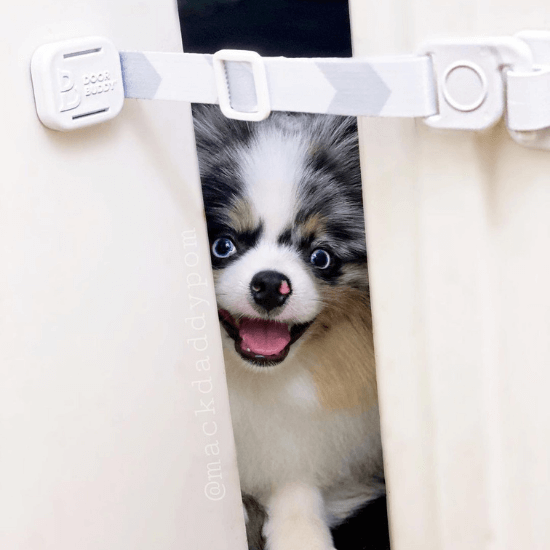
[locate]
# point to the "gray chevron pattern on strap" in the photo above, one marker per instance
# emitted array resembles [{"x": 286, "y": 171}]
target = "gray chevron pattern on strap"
[
  {"x": 139, "y": 76},
  {"x": 353, "y": 83}
]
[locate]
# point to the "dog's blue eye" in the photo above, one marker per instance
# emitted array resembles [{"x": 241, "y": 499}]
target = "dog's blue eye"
[
  {"x": 320, "y": 258},
  {"x": 223, "y": 248}
]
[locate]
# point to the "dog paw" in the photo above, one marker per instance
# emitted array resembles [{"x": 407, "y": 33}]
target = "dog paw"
[{"x": 297, "y": 535}]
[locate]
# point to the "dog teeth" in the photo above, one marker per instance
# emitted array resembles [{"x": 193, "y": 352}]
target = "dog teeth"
[
  {"x": 247, "y": 349},
  {"x": 260, "y": 356}
]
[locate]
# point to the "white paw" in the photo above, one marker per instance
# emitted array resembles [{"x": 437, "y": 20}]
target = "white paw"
[{"x": 297, "y": 533}]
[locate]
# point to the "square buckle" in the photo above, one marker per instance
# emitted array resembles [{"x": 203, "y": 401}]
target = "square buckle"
[{"x": 263, "y": 107}]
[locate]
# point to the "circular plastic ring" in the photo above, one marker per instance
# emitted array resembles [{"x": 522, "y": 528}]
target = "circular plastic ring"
[{"x": 450, "y": 98}]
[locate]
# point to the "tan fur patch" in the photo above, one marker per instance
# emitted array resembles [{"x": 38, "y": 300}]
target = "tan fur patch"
[
  {"x": 314, "y": 225},
  {"x": 313, "y": 147},
  {"x": 341, "y": 349},
  {"x": 242, "y": 217}
]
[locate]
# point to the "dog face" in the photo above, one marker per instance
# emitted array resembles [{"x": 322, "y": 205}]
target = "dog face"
[{"x": 285, "y": 224}]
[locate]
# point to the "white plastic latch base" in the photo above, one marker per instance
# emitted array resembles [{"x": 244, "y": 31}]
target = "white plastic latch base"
[
  {"x": 469, "y": 79},
  {"x": 77, "y": 82}
]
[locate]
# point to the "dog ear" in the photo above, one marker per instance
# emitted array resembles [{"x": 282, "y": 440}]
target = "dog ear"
[
  {"x": 337, "y": 133},
  {"x": 213, "y": 129},
  {"x": 208, "y": 122}
]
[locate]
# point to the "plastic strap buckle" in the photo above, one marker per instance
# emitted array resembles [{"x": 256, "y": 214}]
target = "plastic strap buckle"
[
  {"x": 263, "y": 106},
  {"x": 470, "y": 80}
]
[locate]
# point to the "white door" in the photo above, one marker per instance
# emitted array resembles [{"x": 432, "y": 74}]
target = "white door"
[
  {"x": 458, "y": 230},
  {"x": 114, "y": 422}
]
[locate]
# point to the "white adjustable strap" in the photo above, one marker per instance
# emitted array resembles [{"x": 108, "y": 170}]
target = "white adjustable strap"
[
  {"x": 529, "y": 100},
  {"x": 392, "y": 86},
  {"x": 529, "y": 91},
  {"x": 528, "y": 94}
]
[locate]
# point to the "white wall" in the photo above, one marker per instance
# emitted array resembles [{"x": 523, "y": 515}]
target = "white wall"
[
  {"x": 458, "y": 235},
  {"x": 102, "y": 442}
]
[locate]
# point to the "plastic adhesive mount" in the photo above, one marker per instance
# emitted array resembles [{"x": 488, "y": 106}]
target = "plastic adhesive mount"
[
  {"x": 77, "y": 83},
  {"x": 470, "y": 83}
]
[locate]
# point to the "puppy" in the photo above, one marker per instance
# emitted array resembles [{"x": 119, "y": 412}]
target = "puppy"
[{"x": 285, "y": 223}]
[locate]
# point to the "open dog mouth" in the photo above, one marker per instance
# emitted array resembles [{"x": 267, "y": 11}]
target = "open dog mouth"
[{"x": 261, "y": 341}]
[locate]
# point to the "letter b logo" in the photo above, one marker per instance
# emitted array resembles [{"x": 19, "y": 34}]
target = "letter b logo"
[{"x": 70, "y": 97}]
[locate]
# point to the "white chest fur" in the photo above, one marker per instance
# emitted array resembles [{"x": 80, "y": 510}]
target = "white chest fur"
[{"x": 283, "y": 434}]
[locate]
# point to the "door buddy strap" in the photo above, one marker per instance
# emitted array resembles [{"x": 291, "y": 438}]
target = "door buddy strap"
[{"x": 455, "y": 84}]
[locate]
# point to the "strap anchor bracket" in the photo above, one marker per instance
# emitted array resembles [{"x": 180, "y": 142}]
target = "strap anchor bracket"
[{"x": 470, "y": 80}]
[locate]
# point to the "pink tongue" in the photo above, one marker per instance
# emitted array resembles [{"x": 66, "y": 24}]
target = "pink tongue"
[{"x": 263, "y": 337}]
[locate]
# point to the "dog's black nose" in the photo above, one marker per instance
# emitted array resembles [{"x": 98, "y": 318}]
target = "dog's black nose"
[{"x": 270, "y": 289}]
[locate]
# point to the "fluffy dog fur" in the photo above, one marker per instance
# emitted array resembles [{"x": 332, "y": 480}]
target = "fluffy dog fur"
[{"x": 305, "y": 417}]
